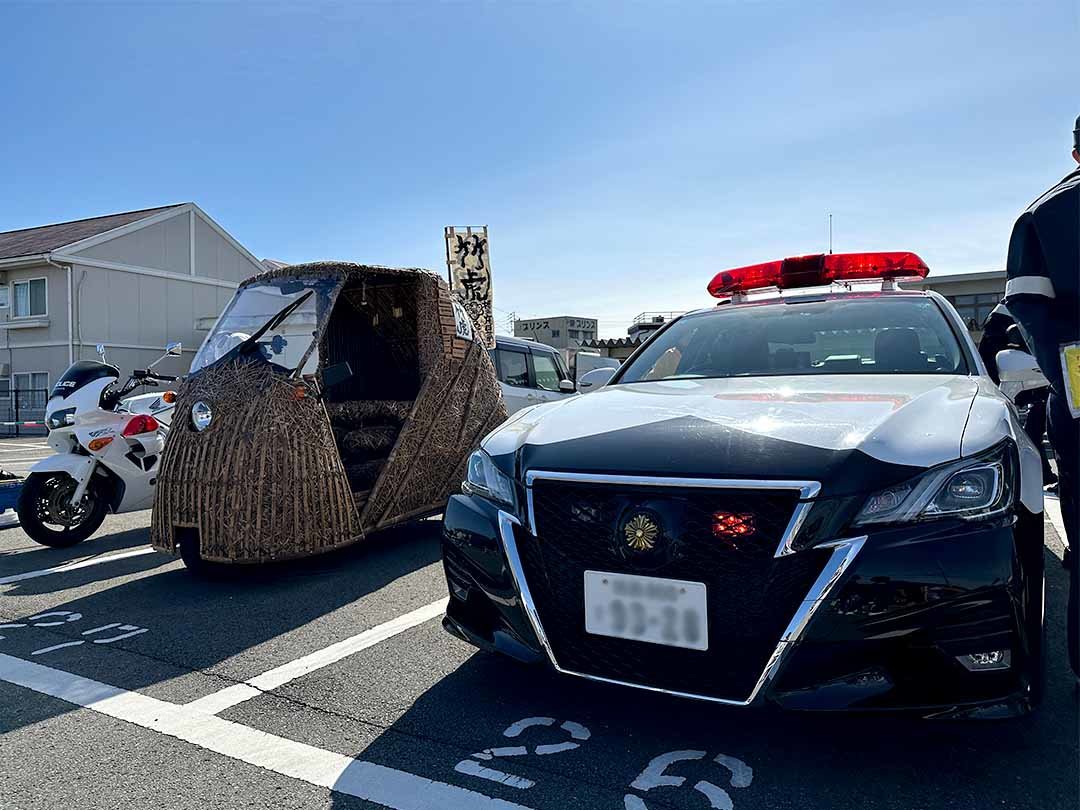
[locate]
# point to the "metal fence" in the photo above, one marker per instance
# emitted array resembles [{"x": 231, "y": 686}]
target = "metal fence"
[{"x": 22, "y": 412}]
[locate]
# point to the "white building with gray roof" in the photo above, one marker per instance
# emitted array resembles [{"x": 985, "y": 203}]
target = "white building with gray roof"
[{"x": 132, "y": 281}]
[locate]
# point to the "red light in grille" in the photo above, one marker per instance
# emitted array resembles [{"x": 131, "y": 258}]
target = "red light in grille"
[
  {"x": 732, "y": 525},
  {"x": 817, "y": 269}
]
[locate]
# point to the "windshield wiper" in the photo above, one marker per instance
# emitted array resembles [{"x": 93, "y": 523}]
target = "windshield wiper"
[{"x": 273, "y": 323}]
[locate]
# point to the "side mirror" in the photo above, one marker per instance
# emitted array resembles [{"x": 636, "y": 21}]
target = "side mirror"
[
  {"x": 174, "y": 349},
  {"x": 1017, "y": 366},
  {"x": 595, "y": 378},
  {"x": 336, "y": 374},
  {"x": 567, "y": 386},
  {"x": 101, "y": 351}
]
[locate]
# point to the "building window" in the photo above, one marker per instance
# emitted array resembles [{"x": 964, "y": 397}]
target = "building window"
[
  {"x": 5, "y": 389},
  {"x": 29, "y": 298},
  {"x": 3, "y": 297},
  {"x": 554, "y": 333},
  {"x": 574, "y": 334},
  {"x": 974, "y": 308},
  {"x": 30, "y": 381}
]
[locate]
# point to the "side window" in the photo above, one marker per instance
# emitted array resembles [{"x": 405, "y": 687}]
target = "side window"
[
  {"x": 513, "y": 368},
  {"x": 547, "y": 375}
]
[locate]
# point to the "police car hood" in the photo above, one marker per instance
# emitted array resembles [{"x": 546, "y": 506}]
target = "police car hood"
[{"x": 852, "y": 433}]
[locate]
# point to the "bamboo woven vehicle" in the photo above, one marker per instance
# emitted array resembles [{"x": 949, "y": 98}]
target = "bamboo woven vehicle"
[{"x": 330, "y": 400}]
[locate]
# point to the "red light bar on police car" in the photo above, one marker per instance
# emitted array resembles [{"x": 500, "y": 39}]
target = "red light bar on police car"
[{"x": 817, "y": 270}]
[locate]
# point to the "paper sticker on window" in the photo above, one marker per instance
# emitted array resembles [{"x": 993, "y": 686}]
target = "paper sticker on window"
[
  {"x": 462, "y": 322},
  {"x": 1070, "y": 370}
]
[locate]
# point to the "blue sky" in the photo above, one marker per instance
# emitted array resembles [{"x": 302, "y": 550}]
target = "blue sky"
[{"x": 620, "y": 153}]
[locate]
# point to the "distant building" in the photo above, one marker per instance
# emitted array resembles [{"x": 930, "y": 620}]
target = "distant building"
[
  {"x": 618, "y": 348},
  {"x": 563, "y": 332},
  {"x": 132, "y": 281},
  {"x": 973, "y": 294},
  {"x": 638, "y": 332},
  {"x": 648, "y": 322}
]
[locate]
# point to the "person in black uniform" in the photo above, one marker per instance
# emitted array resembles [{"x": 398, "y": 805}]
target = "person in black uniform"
[
  {"x": 1042, "y": 294},
  {"x": 995, "y": 338}
]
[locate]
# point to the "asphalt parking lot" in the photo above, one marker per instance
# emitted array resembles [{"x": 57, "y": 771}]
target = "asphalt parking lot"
[{"x": 126, "y": 682}]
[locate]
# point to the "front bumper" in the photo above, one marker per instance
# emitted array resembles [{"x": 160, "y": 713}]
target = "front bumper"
[{"x": 882, "y": 627}]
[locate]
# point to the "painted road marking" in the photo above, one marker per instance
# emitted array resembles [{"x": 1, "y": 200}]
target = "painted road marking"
[
  {"x": 7, "y": 447},
  {"x": 279, "y": 676},
  {"x": 472, "y": 767},
  {"x": 1053, "y": 511},
  {"x": 316, "y": 766},
  {"x": 60, "y": 569}
]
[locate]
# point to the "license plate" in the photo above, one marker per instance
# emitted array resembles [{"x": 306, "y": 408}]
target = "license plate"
[{"x": 672, "y": 612}]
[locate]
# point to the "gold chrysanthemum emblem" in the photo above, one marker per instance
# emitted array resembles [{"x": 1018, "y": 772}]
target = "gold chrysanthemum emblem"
[{"x": 640, "y": 533}]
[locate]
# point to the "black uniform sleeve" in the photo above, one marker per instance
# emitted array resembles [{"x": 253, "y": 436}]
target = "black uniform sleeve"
[
  {"x": 1029, "y": 294},
  {"x": 993, "y": 340}
]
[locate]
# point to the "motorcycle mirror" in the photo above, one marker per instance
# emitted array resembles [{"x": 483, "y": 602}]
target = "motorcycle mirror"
[
  {"x": 101, "y": 351},
  {"x": 171, "y": 350}
]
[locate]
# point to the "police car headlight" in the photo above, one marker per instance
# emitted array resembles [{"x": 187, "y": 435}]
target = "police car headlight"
[
  {"x": 483, "y": 478},
  {"x": 972, "y": 488}
]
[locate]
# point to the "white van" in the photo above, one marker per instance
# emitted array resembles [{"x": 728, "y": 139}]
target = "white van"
[{"x": 530, "y": 372}]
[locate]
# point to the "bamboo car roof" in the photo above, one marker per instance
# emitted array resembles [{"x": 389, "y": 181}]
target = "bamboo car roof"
[{"x": 336, "y": 268}]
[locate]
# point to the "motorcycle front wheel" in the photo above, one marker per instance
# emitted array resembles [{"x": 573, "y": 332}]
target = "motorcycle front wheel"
[{"x": 48, "y": 516}]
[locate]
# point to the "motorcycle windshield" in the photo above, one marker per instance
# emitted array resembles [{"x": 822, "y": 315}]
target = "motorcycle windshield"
[
  {"x": 79, "y": 374},
  {"x": 289, "y": 343}
]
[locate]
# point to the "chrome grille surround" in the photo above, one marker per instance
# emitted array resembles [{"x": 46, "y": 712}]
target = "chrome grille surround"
[{"x": 843, "y": 554}]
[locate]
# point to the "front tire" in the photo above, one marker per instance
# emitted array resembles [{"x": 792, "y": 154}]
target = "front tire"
[{"x": 46, "y": 513}]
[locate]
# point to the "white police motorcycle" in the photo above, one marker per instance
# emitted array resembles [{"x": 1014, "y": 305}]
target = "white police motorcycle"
[{"x": 108, "y": 450}]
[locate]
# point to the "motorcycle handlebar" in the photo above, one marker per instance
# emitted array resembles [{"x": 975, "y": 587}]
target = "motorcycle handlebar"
[{"x": 147, "y": 374}]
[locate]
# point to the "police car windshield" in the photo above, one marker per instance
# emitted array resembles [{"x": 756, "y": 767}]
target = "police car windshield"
[{"x": 880, "y": 335}]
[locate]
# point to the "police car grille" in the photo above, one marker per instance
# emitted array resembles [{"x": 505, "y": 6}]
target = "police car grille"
[{"x": 751, "y": 595}]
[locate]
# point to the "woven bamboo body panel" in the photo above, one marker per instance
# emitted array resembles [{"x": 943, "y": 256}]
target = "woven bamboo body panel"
[
  {"x": 458, "y": 404},
  {"x": 263, "y": 482}
]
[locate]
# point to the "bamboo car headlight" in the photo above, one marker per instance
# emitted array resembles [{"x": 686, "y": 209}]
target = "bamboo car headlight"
[
  {"x": 483, "y": 478},
  {"x": 201, "y": 414},
  {"x": 972, "y": 488}
]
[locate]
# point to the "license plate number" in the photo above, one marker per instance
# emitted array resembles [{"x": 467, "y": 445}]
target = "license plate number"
[{"x": 673, "y": 612}]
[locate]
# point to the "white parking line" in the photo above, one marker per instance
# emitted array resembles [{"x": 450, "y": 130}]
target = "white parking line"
[
  {"x": 60, "y": 569},
  {"x": 278, "y": 676},
  {"x": 7, "y": 447},
  {"x": 1053, "y": 511},
  {"x": 316, "y": 766}
]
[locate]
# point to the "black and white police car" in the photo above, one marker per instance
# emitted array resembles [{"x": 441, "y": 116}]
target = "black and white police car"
[{"x": 811, "y": 494}]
